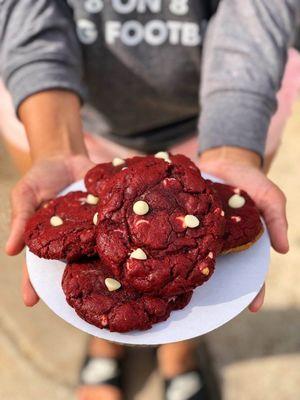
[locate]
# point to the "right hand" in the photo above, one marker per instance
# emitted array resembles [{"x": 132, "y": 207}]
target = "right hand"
[
  {"x": 240, "y": 167},
  {"x": 42, "y": 182}
]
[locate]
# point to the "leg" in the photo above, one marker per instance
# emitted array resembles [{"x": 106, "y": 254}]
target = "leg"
[
  {"x": 104, "y": 348},
  {"x": 180, "y": 370},
  {"x": 97, "y": 369},
  {"x": 176, "y": 358}
]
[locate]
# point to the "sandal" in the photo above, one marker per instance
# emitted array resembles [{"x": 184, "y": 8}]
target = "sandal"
[
  {"x": 96, "y": 371},
  {"x": 186, "y": 386}
]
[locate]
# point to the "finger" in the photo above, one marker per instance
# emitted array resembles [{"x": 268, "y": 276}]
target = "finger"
[
  {"x": 274, "y": 213},
  {"x": 23, "y": 205},
  {"x": 257, "y": 303},
  {"x": 30, "y": 298}
]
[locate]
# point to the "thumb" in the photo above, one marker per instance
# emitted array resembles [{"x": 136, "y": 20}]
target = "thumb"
[
  {"x": 30, "y": 298},
  {"x": 23, "y": 205},
  {"x": 258, "y": 301},
  {"x": 273, "y": 206}
]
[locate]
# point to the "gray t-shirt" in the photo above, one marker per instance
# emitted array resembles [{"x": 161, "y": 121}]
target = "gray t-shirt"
[{"x": 139, "y": 63}]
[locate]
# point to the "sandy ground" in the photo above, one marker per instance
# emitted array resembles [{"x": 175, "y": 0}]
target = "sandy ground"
[{"x": 255, "y": 356}]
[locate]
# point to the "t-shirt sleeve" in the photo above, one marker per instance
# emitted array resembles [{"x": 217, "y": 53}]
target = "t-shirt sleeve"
[
  {"x": 39, "y": 49},
  {"x": 244, "y": 57}
]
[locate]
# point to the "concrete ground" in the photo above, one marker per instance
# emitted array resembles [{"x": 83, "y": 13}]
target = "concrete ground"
[{"x": 255, "y": 356}]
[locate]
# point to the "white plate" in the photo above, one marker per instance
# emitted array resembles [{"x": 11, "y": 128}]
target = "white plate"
[{"x": 234, "y": 284}]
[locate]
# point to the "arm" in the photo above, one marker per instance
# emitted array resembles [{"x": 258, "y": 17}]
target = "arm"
[{"x": 244, "y": 57}]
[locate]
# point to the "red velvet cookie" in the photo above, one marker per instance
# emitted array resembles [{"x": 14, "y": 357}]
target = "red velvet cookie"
[
  {"x": 243, "y": 223},
  {"x": 63, "y": 228},
  {"x": 102, "y": 301},
  {"x": 160, "y": 226},
  {"x": 98, "y": 175}
]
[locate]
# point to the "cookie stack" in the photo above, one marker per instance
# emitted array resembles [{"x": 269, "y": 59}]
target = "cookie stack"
[{"x": 144, "y": 235}]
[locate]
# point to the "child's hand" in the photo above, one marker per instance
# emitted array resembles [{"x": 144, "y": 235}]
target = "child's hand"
[
  {"x": 42, "y": 182},
  {"x": 240, "y": 168}
]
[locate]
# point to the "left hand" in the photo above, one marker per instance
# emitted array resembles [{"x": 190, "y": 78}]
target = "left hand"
[
  {"x": 241, "y": 168},
  {"x": 42, "y": 182}
]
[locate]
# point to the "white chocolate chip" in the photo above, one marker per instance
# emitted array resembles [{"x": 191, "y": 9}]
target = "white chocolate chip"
[
  {"x": 91, "y": 199},
  {"x": 210, "y": 255},
  {"x": 236, "y": 218},
  {"x": 236, "y": 201},
  {"x": 140, "y": 207},
  {"x": 56, "y": 221},
  {"x": 112, "y": 284},
  {"x": 191, "y": 221},
  {"x": 95, "y": 218},
  {"x": 205, "y": 271},
  {"x": 117, "y": 161},
  {"x": 163, "y": 155},
  {"x": 222, "y": 213},
  {"x": 138, "y": 254}
]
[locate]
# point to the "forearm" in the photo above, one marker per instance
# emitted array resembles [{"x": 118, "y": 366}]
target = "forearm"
[{"x": 53, "y": 124}]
